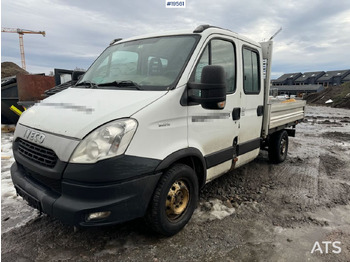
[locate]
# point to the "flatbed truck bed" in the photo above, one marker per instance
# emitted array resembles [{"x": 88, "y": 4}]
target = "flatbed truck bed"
[{"x": 284, "y": 114}]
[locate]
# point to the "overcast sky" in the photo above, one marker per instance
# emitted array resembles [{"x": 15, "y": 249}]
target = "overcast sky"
[{"x": 315, "y": 35}]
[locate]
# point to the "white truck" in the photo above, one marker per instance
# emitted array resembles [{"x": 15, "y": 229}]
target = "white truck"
[{"x": 152, "y": 121}]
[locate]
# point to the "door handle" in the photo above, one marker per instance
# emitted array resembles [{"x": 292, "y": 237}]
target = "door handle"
[
  {"x": 260, "y": 110},
  {"x": 236, "y": 113}
]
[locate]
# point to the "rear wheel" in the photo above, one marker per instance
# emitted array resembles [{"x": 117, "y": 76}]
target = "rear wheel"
[
  {"x": 278, "y": 147},
  {"x": 174, "y": 200}
]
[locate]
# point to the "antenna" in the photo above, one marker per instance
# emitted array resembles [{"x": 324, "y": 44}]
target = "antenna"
[{"x": 278, "y": 31}]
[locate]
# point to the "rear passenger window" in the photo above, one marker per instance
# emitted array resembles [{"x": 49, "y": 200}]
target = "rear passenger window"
[
  {"x": 219, "y": 52},
  {"x": 251, "y": 73}
]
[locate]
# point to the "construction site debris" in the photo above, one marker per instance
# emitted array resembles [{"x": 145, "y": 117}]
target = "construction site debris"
[
  {"x": 11, "y": 69},
  {"x": 32, "y": 87},
  {"x": 8, "y": 128},
  {"x": 340, "y": 96}
]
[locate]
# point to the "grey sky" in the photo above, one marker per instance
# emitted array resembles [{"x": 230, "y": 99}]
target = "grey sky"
[{"x": 315, "y": 36}]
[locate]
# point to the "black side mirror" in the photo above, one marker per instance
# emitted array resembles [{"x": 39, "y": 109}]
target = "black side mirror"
[{"x": 211, "y": 92}]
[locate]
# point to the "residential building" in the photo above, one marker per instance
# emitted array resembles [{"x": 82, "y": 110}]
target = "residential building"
[
  {"x": 333, "y": 78},
  {"x": 286, "y": 79},
  {"x": 346, "y": 79},
  {"x": 309, "y": 78}
]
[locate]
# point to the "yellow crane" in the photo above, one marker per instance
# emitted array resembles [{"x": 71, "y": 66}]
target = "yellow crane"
[{"x": 20, "y": 33}]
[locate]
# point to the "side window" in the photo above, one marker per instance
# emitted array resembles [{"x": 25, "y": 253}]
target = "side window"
[
  {"x": 251, "y": 75},
  {"x": 219, "y": 52},
  {"x": 223, "y": 53},
  {"x": 204, "y": 61}
]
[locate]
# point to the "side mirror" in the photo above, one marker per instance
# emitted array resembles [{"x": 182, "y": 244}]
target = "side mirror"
[{"x": 211, "y": 92}]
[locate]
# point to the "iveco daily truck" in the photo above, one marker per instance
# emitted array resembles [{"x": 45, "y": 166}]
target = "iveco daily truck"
[{"x": 152, "y": 121}]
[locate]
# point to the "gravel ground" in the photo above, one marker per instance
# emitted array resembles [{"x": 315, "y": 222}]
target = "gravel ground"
[{"x": 259, "y": 212}]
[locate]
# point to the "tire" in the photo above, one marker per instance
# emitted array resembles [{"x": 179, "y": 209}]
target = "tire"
[
  {"x": 174, "y": 200},
  {"x": 278, "y": 147}
]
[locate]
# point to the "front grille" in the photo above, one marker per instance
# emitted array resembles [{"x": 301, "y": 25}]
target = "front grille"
[{"x": 41, "y": 155}]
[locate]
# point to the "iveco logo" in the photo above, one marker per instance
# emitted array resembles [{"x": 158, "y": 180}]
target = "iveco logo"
[{"x": 34, "y": 136}]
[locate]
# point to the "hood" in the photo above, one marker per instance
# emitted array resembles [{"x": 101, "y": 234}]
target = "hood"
[{"x": 75, "y": 112}]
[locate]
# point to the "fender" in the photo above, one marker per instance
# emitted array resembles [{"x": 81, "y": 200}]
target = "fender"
[{"x": 183, "y": 154}]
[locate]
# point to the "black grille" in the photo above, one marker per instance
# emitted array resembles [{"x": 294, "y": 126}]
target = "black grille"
[{"x": 41, "y": 155}]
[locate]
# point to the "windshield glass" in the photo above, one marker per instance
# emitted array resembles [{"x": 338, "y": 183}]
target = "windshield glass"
[{"x": 152, "y": 63}]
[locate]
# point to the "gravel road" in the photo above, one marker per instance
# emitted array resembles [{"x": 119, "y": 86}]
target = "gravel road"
[{"x": 259, "y": 212}]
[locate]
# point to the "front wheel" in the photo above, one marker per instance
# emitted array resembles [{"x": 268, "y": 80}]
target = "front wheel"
[
  {"x": 174, "y": 200},
  {"x": 278, "y": 146}
]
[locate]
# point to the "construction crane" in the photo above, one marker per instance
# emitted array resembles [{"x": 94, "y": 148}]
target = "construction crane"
[{"x": 20, "y": 33}]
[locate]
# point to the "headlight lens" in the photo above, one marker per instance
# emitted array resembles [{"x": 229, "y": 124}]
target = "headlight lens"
[{"x": 107, "y": 141}]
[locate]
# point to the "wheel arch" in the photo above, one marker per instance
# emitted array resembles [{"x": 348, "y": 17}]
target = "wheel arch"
[{"x": 191, "y": 157}]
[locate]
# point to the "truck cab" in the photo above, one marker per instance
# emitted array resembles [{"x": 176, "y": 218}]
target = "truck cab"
[{"x": 152, "y": 121}]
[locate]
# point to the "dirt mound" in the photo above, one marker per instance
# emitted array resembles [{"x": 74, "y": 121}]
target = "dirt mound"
[
  {"x": 340, "y": 95},
  {"x": 11, "y": 69}
]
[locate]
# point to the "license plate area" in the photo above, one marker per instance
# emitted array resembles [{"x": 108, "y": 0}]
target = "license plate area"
[{"x": 32, "y": 201}]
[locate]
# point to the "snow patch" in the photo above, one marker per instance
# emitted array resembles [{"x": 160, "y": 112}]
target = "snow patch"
[
  {"x": 14, "y": 211},
  {"x": 212, "y": 210},
  {"x": 8, "y": 192}
]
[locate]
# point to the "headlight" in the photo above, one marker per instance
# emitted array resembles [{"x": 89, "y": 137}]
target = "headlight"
[{"x": 107, "y": 141}]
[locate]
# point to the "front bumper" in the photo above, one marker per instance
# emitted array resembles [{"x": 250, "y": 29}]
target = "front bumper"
[{"x": 125, "y": 199}]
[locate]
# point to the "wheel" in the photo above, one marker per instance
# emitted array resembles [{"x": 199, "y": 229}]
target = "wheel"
[
  {"x": 174, "y": 200},
  {"x": 278, "y": 146}
]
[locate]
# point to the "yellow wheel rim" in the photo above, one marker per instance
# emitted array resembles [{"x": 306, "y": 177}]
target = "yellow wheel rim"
[{"x": 177, "y": 200}]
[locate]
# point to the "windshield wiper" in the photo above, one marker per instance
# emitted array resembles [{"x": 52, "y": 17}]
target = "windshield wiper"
[
  {"x": 88, "y": 84},
  {"x": 125, "y": 83}
]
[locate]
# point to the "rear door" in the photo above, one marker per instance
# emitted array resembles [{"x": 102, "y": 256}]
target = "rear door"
[{"x": 252, "y": 97}]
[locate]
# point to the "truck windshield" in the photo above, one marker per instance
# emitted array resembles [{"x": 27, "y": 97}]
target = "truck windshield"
[{"x": 148, "y": 64}]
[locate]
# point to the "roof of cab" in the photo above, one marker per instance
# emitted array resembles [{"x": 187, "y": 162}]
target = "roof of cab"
[{"x": 204, "y": 30}]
